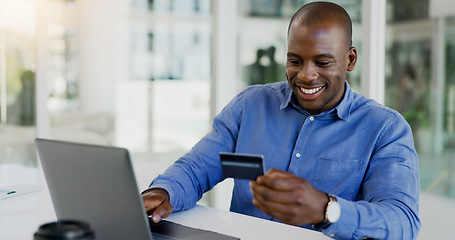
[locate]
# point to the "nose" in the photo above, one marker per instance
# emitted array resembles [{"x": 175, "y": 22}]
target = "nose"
[{"x": 308, "y": 73}]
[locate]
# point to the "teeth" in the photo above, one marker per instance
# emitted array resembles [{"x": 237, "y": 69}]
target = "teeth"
[{"x": 310, "y": 91}]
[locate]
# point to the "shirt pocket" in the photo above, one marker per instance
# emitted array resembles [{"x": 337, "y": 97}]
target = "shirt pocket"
[{"x": 338, "y": 176}]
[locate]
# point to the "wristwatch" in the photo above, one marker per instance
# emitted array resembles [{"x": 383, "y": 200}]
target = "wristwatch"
[{"x": 332, "y": 213}]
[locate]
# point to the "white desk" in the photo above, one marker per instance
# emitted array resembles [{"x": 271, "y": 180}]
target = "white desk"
[
  {"x": 242, "y": 226},
  {"x": 21, "y": 216}
]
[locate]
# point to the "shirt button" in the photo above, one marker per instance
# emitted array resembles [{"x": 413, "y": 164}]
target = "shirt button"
[
  {"x": 311, "y": 118},
  {"x": 297, "y": 155}
]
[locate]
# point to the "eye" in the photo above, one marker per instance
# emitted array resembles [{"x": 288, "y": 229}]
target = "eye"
[
  {"x": 295, "y": 61},
  {"x": 323, "y": 64}
]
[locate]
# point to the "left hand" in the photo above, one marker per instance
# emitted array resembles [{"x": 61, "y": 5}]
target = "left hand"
[{"x": 288, "y": 198}]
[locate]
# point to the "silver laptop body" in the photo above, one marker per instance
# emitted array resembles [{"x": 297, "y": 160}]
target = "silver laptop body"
[{"x": 95, "y": 184}]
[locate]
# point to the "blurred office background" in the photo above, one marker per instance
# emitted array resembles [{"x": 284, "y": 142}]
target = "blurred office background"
[{"x": 150, "y": 76}]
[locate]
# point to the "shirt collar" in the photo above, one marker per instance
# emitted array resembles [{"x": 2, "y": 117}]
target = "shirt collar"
[
  {"x": 287, "y": 100},
  {"x": 342, "y": 110}
]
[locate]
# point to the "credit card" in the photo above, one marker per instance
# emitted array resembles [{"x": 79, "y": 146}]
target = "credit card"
[{"x": 242, "y": 166}]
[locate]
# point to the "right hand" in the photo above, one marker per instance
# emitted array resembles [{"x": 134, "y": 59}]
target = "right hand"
[{"x": 157, "y": 204}]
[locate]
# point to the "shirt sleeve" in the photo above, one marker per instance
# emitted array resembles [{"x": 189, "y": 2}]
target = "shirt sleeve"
[
  {"x": 200, "y": 170},
  {"x": 389, "y": 197}
]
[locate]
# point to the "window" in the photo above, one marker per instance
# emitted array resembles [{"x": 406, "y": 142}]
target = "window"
[
  {"x": 17, "y": 84},
  {"x": 420, "y": 85}
]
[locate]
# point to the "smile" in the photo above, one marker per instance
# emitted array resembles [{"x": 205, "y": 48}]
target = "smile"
[{"x": 310, "y": 90}]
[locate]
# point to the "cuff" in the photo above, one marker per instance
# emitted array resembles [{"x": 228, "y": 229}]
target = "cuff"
[{"x": 346, "y": 224}]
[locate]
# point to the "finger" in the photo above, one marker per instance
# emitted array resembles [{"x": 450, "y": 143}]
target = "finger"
[
  {"x": 273, "y": 173},
  {"x": 162, "y": 211},
  {"x": 265, "y": 193},
  {"x": 154, "y": 198},
  {"x": 259, "y": 205},
  {"x": 280, "y": 182},
  {"x": 278, "y": 173},
  {"x": 284, "y": 212},
  {"x": 150, "y": 203}
]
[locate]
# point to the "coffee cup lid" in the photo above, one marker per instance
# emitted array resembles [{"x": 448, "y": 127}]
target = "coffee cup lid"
[{"x": 64, "y": 229}]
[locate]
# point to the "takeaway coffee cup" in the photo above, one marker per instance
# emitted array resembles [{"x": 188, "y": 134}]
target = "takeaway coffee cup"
[{"x": 65, "y": 230}]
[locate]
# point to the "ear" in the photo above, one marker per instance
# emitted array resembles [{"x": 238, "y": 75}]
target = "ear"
[{"x": 352, "y": 58}]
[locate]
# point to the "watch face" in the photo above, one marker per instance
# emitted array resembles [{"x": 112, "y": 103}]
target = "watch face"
[{"x": 333, "y": 211}]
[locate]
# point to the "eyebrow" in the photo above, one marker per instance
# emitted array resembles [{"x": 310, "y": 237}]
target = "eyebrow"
[{"x": 323, "y": 55}]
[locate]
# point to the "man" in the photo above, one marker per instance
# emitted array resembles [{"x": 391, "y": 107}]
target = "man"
[{"x": 337, "y": 162}]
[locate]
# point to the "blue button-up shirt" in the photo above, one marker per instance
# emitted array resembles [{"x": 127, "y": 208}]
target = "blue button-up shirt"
[{"x": 360, "y": 151}]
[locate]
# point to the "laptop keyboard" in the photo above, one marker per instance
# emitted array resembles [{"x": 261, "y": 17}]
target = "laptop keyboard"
[
  {"x": 156, "y": 236},
  {"x": 165, "y": 230}
]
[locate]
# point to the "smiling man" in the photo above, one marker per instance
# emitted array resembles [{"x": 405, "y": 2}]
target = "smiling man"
[
  {"x": 319, "y": 54},
  {"x": 337, "y": 162}
]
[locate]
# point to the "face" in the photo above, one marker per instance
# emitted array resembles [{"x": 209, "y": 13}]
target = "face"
[{"x": 317, "y": 62}]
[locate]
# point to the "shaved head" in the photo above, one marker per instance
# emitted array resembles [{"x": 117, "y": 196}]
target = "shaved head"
[{"x": 318, "y": 13}]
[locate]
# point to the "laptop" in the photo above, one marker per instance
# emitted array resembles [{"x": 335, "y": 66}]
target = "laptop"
[{"x": 96, "y": 184}]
